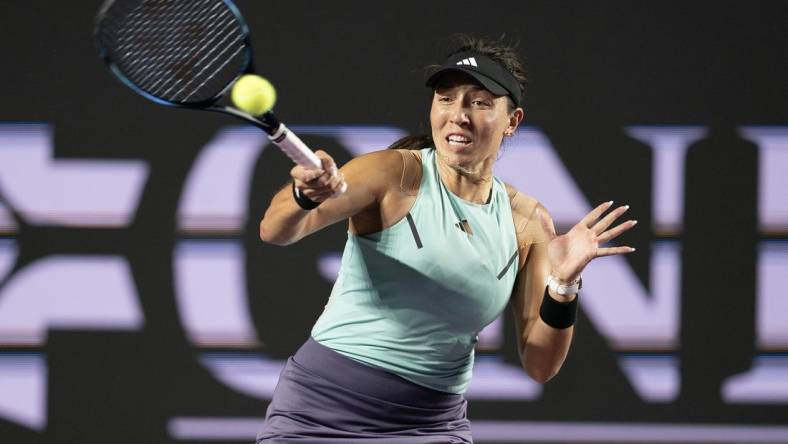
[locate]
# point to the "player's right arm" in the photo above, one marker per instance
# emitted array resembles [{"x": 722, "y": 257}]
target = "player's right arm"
[{"x": 369, "y": 178}]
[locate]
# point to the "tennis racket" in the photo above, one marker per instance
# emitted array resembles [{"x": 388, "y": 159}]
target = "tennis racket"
[{"x": 187, "y": 54}]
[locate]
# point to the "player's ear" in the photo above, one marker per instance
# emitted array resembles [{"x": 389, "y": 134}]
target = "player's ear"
[{"x": 515, "y": 118}]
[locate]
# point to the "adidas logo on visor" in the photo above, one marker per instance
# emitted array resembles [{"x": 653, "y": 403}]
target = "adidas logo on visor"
[{"x": 470, "y": 61}]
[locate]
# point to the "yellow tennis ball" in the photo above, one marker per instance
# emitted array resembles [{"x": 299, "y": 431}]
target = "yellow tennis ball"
[{"x": 253, "y": 94}]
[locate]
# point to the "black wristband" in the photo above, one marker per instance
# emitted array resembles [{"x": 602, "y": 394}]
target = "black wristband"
[
  {"x": 303, "y": 201},
  {"x": 558, "y": 314}
]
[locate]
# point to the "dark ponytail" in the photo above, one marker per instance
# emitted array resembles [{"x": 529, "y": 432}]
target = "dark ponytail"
[{"x": 413, "y": 142}]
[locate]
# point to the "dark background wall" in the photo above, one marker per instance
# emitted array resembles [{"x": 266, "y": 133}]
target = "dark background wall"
[{"x": 596, "y": 67}]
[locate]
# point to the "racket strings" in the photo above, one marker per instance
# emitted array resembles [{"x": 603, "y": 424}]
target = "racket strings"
[
  {"x": 176, "y": 50},
  {"x": 219, "y": 57},
  {"x": 165, "y": 55},
  {"x": 155, "y": 42},
  {"x": 137, "y": 36},
  {"x": 163, "y": 49},
  {"x": 182, "y": 69}
]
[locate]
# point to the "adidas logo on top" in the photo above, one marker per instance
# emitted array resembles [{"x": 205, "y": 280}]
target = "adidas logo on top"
[{"x": 469, "y": 61}]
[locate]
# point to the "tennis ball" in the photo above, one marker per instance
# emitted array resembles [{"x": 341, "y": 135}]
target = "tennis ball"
[{"x": 253, "y": 94}]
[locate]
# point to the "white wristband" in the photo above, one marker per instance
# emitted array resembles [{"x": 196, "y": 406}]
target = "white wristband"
[{"x": 553, "y": 283}]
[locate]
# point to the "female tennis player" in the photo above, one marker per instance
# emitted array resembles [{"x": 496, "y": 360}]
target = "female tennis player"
[{"x": 436, "y": 248}]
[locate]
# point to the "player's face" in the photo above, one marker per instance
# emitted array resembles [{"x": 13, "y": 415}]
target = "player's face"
[{"x": 468, "y": 122}]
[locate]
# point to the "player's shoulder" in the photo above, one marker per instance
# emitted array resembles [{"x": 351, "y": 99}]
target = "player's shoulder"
[
  {"x": 387, "y": 158},
  {"x": 394, "y": 166},
  {"x": 523, "y": 205},
  {"x": 528, "y": 215}
]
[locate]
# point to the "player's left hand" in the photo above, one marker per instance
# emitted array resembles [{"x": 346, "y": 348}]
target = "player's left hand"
[{"x": 571, "y": 252}]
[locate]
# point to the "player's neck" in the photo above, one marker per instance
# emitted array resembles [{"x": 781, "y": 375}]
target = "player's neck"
[{"x": 471, "y": 184}]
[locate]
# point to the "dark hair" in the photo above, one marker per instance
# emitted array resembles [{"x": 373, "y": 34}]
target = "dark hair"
[{"x": 496, "y": 49}]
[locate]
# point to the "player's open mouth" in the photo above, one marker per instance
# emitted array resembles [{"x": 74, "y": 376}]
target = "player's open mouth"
[{"x": 458, "y": 140}]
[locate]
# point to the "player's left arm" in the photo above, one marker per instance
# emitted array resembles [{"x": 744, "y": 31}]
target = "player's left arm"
[{"x": 542, "y": 347}]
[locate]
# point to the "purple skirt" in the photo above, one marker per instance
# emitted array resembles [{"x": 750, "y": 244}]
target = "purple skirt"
[{"x": 325, "y": 397}]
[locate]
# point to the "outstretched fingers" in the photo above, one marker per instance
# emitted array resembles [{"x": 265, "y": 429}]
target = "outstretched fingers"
[
  {"x": 600, "y": 228},
  {"x": 594, "y": 214},
  {"x": 610, "y": 251},
  {"x": 608, "y": 220},
  {"x": 616, "y": 231}
]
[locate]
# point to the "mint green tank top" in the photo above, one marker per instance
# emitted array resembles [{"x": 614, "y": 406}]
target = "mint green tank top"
[{"x": 412, "y": 298}]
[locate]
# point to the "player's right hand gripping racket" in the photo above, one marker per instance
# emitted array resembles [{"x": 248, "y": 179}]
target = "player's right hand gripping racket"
[{"x": 187, "y": 54}]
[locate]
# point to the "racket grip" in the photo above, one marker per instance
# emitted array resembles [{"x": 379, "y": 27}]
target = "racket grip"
[{"x": 297, "y": 150}]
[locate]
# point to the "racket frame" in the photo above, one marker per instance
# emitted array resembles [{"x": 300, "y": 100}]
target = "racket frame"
[{"x": 277, "y": 132}]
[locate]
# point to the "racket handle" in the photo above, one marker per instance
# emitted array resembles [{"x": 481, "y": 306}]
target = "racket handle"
[{"x": 297, "y": 150}]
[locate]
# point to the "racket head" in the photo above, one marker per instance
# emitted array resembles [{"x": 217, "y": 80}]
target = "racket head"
[{"x": 183, "y": 53}]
